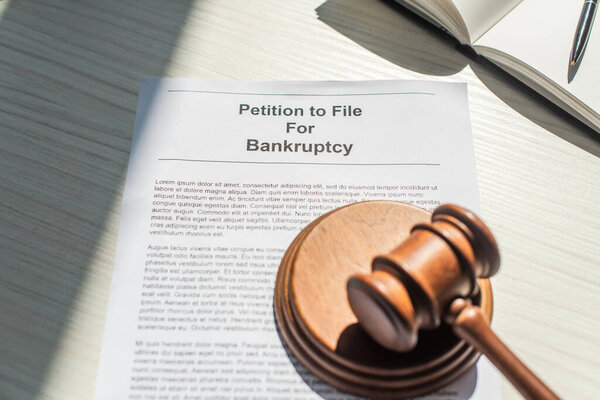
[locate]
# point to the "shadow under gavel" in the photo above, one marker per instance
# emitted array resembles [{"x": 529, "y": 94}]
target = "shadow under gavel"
[{"x": 429, "y": 278}]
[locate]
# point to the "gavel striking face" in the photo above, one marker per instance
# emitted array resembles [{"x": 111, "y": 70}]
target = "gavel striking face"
[{"x": 413, "y": 286}]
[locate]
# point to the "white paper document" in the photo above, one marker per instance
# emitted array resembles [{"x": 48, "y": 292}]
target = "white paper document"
[{"x": 222, "y": 176}]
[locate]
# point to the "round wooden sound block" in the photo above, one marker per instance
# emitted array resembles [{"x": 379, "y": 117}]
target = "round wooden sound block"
[{"x": 316, "y": 322}]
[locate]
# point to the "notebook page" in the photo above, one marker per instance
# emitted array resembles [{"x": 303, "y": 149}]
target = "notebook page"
[
  {"x": 540, "y": 33},
  {"x": 479, "y": 16}
]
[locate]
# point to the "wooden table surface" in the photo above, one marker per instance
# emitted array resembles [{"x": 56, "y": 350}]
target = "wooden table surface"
[{"x": 69, "y": 76}]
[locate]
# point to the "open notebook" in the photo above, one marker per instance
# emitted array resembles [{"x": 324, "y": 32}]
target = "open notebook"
[{"x": 531, "y": 40}]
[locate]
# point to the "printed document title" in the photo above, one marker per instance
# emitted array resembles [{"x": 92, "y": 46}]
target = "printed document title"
[{"x": 291, "y": 127}]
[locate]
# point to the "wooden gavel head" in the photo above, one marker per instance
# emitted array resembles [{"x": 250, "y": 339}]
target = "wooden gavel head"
[
  {"x": 413, "y": 286},
  {"x": 328, "y": 279}
]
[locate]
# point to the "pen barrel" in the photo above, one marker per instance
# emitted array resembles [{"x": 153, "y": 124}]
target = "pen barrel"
[{"x": 584, "y": 27}]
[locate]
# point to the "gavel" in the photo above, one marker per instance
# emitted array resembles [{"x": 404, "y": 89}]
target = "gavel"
[
  {"x": 401, "y": 324},
  {"x": 429, "y": 277}
]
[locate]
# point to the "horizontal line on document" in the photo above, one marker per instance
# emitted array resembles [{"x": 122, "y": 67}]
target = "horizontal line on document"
[
  {"x": 300, "y": 163},
  {"x": 301, "y": 94}
]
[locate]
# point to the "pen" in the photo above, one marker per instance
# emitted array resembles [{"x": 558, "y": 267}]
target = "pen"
[{"x": 582, "y": 34}]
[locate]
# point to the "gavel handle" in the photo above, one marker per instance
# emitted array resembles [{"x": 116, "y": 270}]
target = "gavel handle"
[{"x": 471, "y": 325}]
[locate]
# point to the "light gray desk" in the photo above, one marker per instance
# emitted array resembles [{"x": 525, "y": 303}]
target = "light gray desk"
[{"x": 69, "y": 74}]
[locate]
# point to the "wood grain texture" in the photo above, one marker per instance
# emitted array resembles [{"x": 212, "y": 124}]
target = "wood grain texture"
[
  {"x": 312, "y": 307},
  {"x": 69, "y": 73},
  {"x": 332, "y": 253}
]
